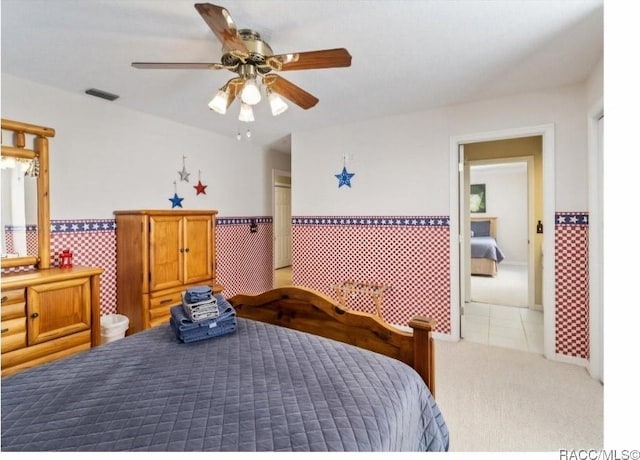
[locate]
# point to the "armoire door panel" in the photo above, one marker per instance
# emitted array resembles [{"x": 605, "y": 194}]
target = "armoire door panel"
[
  {"x": 198, "y": 248},
  {"x": 166, "y": 252}
]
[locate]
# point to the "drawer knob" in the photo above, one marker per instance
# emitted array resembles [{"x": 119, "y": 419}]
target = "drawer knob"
[
  {"x": 4, "y": 298},
  {"x": 35, "y": 315}
]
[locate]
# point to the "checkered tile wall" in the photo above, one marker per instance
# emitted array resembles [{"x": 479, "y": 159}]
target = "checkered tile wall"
[
  {"x": 409, "y": 254},
  {"x": 92, "y": 243},
  {"x": 572, "y": 284},
  {"x": 244, "y": 258},
  {"x": 245, "y": 261}
]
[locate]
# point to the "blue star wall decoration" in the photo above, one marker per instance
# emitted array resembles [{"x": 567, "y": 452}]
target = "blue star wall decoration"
[
  {"x": 176, "y": 201},
  {"x": 344, "y": 178}
]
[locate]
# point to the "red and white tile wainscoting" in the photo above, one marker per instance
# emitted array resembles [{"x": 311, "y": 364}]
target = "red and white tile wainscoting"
[
  {"x": 572, "y": 284},
  {"x": 408, "y": 254},
  {"x": 92, "y": 243},
  {"x": 245, "y": 259},
  {"x": 411, "y": 255}
]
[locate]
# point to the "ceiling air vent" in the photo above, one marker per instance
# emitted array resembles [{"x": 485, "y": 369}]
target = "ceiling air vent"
[{"x": 102, "y": 94}]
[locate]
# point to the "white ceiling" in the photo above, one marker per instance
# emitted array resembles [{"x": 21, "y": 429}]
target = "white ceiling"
[{"x": 408, "y": 55}]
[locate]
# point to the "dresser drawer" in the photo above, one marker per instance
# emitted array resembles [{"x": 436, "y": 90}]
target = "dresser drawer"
[
  {"x": 166, "y": 301},
  {"x": 31, "y": 356},
  {"x": 13, "y": 296},
  {"x": 13, "y": 304},
  {"x": 160, "y": 307},
  {"x": 159, "y": 316},
  {"x": 14, "y": 334},
  {"x": 14, "y": 311},
  {"x": 13, "y": 320}
]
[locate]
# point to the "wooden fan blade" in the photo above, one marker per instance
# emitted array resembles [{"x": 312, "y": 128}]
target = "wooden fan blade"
[
  {"x": 322, "y": 59},
  {"x": 220, "y": 22},
  {"x": 178, "y": 65},
  {"x": 289, "y": 91},
  {"x": 235, "y": 86}
]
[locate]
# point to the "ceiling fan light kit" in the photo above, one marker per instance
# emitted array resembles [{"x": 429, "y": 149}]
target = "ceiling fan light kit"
[
  {"x": 277, "y": 104},
  {"x": 220, "y": 101},
  {"x": 246, "y": 54},
  {"x": 246, "y": 113}
]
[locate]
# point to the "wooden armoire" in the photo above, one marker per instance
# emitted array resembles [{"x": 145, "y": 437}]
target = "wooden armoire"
[{"x": 161, "y": 253}]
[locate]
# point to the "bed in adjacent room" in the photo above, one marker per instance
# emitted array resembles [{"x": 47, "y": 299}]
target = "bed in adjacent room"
[
  {"x": 485, "y": 252},
  {"x": 272, "y": 385}
]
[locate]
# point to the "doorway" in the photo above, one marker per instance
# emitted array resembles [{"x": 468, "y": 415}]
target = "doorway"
[
  {"x": 500, "y": 306},
  {"x": 281, "y": 228},
  {"x": 460, "y": 232}
]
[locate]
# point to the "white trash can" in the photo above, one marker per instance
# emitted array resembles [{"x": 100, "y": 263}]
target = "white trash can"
[{"x": 113, "y": 327}]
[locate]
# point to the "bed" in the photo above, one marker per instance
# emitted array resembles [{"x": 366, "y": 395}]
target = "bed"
[
  {"x": 485, "y": 252},
  {"x": 272, "y": 385}
]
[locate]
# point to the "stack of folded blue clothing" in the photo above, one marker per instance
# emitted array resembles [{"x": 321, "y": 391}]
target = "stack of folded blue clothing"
[
  {"x": 187, "y": 330},
  {"x": 199, "y": 303}
]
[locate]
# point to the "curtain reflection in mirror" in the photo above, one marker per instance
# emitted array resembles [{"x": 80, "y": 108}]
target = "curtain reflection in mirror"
[{"x": 19, "y": 207}]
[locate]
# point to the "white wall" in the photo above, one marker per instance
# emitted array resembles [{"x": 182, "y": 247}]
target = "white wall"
[
  {"x": 595, "y": 83},
  {"x": 402, "y": 163},
  {"x": 105, "y": 157},
  {"x": 506, "y": 194}
]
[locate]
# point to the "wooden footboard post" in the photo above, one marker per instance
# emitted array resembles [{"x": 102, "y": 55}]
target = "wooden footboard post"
[{"x": 423, "y": 350}]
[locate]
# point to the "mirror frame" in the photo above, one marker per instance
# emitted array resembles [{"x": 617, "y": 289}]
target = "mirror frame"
[{"x": 40, "y": 151}]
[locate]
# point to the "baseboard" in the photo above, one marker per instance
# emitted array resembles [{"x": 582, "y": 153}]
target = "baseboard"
[
  {"x": 435, "y": 335},
  {"x": 445, "y": 337},
  {"x": 537, "y": 307},
  {"x": 570, "y": 360}
]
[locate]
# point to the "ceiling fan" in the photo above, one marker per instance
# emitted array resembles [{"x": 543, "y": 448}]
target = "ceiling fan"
[{"x": 246, "y": 54}]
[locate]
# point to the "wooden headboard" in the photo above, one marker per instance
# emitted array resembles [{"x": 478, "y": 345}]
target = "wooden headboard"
[{"x": 493, "y": 224}]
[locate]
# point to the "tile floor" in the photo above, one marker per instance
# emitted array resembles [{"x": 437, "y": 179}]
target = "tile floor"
[
  {"x": 282, "y": 277},
  {"x": 502, "y": 326}
]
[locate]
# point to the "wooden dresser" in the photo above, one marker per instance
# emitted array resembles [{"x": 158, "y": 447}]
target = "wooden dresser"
[
  {"x": 159, "y": 255},
  {"x": 48, "y": 314}
]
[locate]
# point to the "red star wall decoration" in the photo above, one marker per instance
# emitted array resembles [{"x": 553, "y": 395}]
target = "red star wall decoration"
[{"x": 200, "y": 188}]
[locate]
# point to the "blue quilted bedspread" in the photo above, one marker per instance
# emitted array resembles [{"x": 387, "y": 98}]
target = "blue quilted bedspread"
[
  {"x": 263, "y": 388},
  {"x": 486, "y": 247}
]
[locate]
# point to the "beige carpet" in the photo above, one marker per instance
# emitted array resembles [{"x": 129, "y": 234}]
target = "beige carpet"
[
  {"x": 508, "y": 287},
  {"x": 496, "y": 400}
]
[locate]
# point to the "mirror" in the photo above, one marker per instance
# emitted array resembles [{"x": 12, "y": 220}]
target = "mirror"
[
  {"x": 25, "y": 195},
  {"x": 19, "y": 220}
]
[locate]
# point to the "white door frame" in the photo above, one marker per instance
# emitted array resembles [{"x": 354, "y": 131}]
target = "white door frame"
[
  {"x": 596, "y": 256},
  {"x": 275, "y": 173},
  {"x": 548, "y": 173}
]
